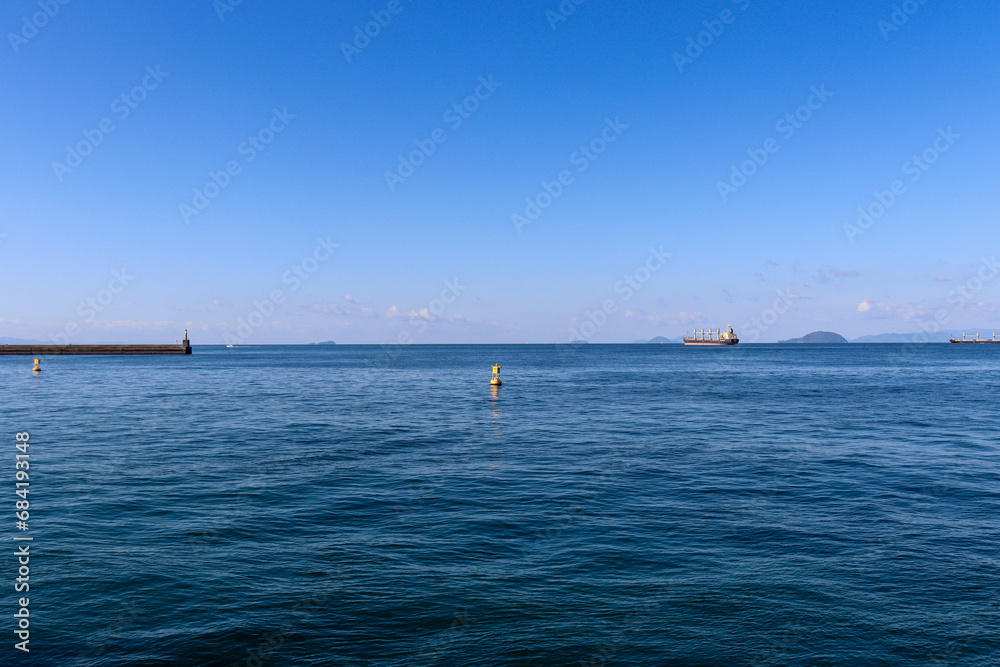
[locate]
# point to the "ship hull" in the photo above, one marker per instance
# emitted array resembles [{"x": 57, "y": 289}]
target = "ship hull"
[
  {"x": 955, "y": 340},
  {"x": 698, "y": 341}
]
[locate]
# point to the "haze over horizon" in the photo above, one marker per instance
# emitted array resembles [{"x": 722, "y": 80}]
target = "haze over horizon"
[{"x": 542, "y": 172}]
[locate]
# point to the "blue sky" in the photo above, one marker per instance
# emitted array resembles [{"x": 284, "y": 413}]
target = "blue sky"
[{"x": 588, "y": 144}]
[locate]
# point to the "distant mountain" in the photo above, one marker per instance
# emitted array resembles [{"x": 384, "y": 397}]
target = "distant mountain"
[
  {"x": 661, "y": 339},
  {"x": 817, "y": 337},
  {"x": 929, "y": 337},
  {"x": 917, "y": 337},
  {"x": 896, "y": 338},
  {"x": 326, "y": 342},
  {"x": 19, "y": 341}
]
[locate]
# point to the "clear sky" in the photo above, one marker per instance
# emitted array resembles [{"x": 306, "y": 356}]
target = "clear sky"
[{"x": 270, "y": 173}]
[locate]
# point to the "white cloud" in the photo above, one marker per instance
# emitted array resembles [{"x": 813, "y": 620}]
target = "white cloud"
[
  {"x": 905, "y": 311},
  {"x": 828, "y": 273},
  {"x": 681, "y": 317},
  {"x": 349, "y": 310}
]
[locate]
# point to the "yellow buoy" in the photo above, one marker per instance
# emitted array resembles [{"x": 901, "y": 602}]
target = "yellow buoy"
[
  {"x": 496, "y": 376},
  {"x": 38, "y": 366}
]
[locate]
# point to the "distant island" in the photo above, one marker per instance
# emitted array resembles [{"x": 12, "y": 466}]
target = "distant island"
[
  {"x": 817, "y": 337},
  {"x": 326, "y": 342},
  {"x": 828, "y": 337}
]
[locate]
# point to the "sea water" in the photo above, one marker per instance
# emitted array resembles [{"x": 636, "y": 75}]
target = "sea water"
[{"x": 609, "y": 504}]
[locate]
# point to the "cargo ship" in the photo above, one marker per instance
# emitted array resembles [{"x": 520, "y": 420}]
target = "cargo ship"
[
  {"x": 977, "y": 339},
  {"x": 715, "y": 337}
]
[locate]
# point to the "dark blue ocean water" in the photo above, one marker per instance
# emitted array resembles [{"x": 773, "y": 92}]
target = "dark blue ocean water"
[{"x": 634, "y": 505}]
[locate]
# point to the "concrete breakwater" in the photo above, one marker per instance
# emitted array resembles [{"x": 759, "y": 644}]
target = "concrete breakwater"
[
  {"x": 184, "y": 347},
  {"x": 39, "y": 350}
]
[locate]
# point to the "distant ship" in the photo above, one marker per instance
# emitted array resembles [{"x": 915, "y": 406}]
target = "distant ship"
[
  {"x": 977, "y": 339},
  {"x": 716, "y": 337}
]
